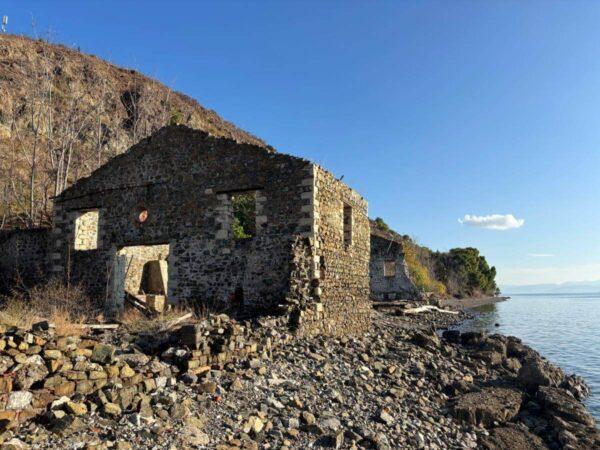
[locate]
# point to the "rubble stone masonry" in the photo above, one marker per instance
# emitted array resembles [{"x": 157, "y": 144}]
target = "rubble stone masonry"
[
  {"x": 309, "y": 253},
  {"x": 395, "y": 282},
  {"x": 22, "y": 256}
]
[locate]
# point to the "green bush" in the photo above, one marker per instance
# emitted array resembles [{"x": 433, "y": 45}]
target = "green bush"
[
  {"x": 380, "y": 223},
  {"x": 176, "y": 118},
  {"x": 244, "y": 214}
]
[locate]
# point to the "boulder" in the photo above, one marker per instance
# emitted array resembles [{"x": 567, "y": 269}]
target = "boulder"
[
  {"x": 426, "y": 340},
  {"x": 192, "y": 436},
  {"x": 65, "y": 424},
  {"x": 495, "y": 344},
  {"x": 488, "y": 406},
  {"x": 18, "y": 400},
  {"x": 576, "y": 386},
  {"x": 103, "y": 354},
  {"x": 6, "y": 362},
  {"x": 111, "y": 410},
  {"x": 134, "y": 360},
  {"x": 33, "y": 370},
  {"x": 516, "y": 349},
  {"x": 76, "y": 408},
  {"x": 512, "y": 437},
  {"x": 537, "y": 372},
  {"x": 491, "y": 357},
  {"x": 451, "y": 336},
  {"x": 512, "y": 364},
  {"x": 473, "y": 338},
  {"x": 560, "y": 403},
  {"x": 14, "y": 444},
  {"x": 385, "y": 417}
]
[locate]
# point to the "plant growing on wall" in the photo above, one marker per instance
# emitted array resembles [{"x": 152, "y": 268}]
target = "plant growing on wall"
[{"x": 244, "y": 214}]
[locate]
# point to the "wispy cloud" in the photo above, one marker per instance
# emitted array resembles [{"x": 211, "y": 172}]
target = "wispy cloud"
[
  {"x": 541, "y": 255},
  {"x": 499, "y": 222}
]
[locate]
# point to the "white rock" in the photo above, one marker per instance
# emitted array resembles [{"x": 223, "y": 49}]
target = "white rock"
[{"x": 19, "y": 400}]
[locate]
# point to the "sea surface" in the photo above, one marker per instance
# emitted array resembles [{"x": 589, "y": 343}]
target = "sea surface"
[{"x": 564, "y": 328}]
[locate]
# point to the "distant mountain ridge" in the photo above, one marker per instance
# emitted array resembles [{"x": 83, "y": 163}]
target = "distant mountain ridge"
[{"x": 569, "y": 287}]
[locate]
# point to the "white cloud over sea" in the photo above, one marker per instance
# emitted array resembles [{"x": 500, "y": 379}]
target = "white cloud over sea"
[
  {"x": 541, "y": 255},
  {"x": 498, "y": 222}
]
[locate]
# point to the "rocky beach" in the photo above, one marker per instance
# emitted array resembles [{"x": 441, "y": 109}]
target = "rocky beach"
[{"x": 402, "y": 385}]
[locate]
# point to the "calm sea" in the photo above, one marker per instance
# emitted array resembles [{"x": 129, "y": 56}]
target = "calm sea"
[{"x": 565, "y": 328}]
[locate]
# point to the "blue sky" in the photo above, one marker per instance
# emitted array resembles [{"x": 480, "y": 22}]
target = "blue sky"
[{"x": 431, "y": 110}]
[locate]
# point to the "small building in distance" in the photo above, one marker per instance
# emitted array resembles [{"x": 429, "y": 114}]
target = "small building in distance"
[
  {"x": 390, "y": 279},
  {"x": 211, "y": 222}
]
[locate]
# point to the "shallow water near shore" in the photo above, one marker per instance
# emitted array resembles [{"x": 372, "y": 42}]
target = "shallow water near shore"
[{"x": 564, "y": 328}]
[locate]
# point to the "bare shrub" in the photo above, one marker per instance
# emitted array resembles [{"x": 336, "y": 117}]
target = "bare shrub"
[
  {"x": 65, "y": 306},
  {"x": 16, "y": 313},
  {"x": 136, "y": 322}
]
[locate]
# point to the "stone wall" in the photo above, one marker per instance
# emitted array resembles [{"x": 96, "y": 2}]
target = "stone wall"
[
  {"x": 22, "y": 255},
  {"x": 184, "y": 179},
  {"x": 384, "y": 286},
  {"x": 86, "y": 230},
  {"x": 340, "y": 260}
]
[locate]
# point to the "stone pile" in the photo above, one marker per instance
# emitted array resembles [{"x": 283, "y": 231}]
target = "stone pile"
[
  {"x": 219, "y": 339},
  {"x": 58, "y": 380},
  {"x": 398, "y": 387},
  {"x": 40, "y": 372}
]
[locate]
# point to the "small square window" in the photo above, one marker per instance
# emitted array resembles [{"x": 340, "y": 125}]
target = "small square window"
[{"x": 389, "y": 269}]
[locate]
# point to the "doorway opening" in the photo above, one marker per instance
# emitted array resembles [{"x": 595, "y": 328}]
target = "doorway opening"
[{"x": 141, "y": 274}]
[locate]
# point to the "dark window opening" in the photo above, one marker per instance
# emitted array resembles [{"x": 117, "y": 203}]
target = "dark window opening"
[
  {"x": 347, "y": 225},
  {"x": 244, "y": 214}
]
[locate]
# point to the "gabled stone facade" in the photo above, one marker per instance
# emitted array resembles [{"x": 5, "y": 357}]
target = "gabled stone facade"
[{"x": 309, "y": 254}]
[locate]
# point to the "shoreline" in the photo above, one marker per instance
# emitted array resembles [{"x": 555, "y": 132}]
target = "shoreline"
[
  {"x": 471, "y": 302},
  {"x": 398, "y": 386}
]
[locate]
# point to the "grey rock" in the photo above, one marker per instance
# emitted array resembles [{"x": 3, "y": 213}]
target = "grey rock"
[
  {"x": 537, "y": 372},
  {"x": 558, "y": 402},
  {"x": 103, "y": 353},
  {"x": 512, "y": 437},
  {"x": 488, "y": 406}
]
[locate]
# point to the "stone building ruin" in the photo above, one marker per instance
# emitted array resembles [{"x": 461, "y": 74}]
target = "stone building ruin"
[
  {"x": 390, "y": 279},
  {"x": 160, "y": 223}
]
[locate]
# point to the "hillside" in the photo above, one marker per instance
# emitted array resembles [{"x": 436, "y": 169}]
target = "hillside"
[
  {"x": 64, "y": 113},
  {"x": 459, "y": 272}
]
